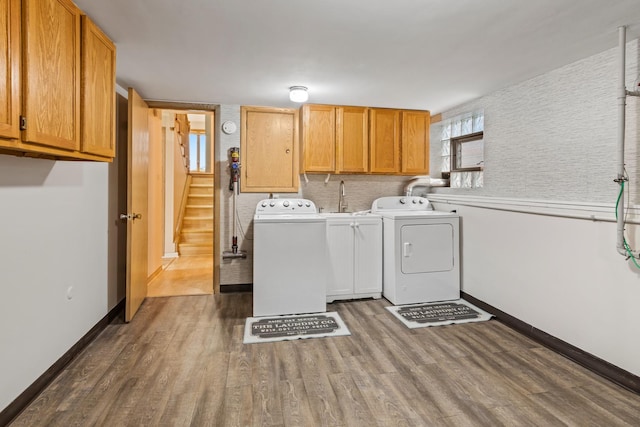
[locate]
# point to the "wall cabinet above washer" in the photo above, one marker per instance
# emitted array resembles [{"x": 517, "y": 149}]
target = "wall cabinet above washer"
[
  {"x": 334, "y": 139},
  {"x": 399, "y": 141},
  {"x": 414, "y": 142},
  {"x": 269, "y": 150},
  {"x": 384, "y": 131},
  {"x": 362, "y": 140}
]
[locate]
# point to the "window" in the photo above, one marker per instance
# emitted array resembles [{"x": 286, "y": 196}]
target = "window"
[
  {"x": 197, "y": 151},
  {"x": 467, "y": 152},
  {"x": 463, "y": 150}
]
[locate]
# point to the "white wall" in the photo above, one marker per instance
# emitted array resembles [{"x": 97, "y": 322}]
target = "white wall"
[
  {"x": 553, "y": 139},
  {"x": 54, "y": 231},
  {"x": 168, "y": 142},
  {"x": 561, "y": 275}
]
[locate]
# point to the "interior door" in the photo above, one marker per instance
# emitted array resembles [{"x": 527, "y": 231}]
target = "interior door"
[{"x": 137, "y": 204}]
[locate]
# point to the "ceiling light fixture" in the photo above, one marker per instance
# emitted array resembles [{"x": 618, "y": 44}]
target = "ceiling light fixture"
[{"x": 298, "y": 94}]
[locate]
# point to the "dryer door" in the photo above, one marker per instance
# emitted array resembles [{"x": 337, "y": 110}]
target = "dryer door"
[{"x": 426, "y": 248}]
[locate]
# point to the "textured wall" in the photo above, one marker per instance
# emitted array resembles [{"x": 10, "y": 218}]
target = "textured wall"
[
  {"x": 554, "y": 136},
  {"x": 360, "y": 190}
]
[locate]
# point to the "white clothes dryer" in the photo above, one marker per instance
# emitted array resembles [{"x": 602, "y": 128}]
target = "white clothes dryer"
[
  {"x": 289, "y": 258},
  {"x": 421, "y": 251}
]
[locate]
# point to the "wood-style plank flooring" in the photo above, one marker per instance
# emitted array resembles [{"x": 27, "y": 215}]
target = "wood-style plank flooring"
[
  {"x": 186, "y": 275},
  {"x": 181, "y": 362}
]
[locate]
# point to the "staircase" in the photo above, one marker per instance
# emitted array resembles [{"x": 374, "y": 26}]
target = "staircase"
[{"x": 196, "y": 235}]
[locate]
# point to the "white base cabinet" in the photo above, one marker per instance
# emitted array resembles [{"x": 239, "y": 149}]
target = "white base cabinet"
[{"x": 355, "y": 256}]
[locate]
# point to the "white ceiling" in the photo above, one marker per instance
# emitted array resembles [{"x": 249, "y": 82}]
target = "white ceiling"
[{"x": 422, "y": 54}]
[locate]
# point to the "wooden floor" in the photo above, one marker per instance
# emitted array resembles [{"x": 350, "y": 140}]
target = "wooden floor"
[
  {"x": 186, "y": 275},
  {"x": 181, "y": 362}
]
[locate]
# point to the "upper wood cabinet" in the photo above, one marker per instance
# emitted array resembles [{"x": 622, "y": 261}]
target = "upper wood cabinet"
[
  {"x": 10, "y": 69},
  {"x": 51, "y": 73},
  {"x": 341, "y": 139},
  {"x": 269, "y": 150},
  {"x": 352, "y": 136},
  {"x": 334, "y": 139},
  {"x": 415, "y": 142},
  {"x": 384, "y": 140},
  {"x": 59, "y": 81},
  {"x": 98, "y": 91},
  {"x": 318, "y": 138}
]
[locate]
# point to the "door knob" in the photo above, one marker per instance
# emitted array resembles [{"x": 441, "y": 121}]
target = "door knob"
[{"x": 126, "y": 216}]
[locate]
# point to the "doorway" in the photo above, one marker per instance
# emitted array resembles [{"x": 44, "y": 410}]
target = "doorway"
[{"x": 181, "y": 202}]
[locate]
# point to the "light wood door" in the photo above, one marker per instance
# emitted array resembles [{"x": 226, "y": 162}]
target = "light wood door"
[
  {"x": 352, "y": 139},
  {"x": 319, "y": 138},
  {"x": 384, "y": 140},
  {"x": 10, "y": 69},
  {"x": 98, "y": 91},
  {"x": 415, "y": 142},
  {"x": 269, "y": 150},
  {"x": 51, "y": 73},
  {"x": 137, "y": 204}
]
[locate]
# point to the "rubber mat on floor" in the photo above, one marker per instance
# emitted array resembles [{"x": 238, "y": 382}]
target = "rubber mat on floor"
[
  {"x": 281, "y": 328},
  {"x": 438, "y": 313}
]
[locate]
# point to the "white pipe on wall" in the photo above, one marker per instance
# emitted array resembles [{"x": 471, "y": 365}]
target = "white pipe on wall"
[
  {"x": 621, "y": 176},
  {"x": 622, "y": 100},
  {"x": 423, "y": 181}
]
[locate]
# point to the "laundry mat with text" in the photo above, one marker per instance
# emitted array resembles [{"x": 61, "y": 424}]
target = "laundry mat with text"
[
  {"x": 280, "y": 328},
  {"x": 438, "y": 313}
]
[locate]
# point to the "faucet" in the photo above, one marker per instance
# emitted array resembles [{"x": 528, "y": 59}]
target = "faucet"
[{"x": 342, "y": 206}]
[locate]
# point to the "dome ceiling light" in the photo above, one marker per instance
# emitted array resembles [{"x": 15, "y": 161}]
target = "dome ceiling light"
[{"x": 298, "y": 94}]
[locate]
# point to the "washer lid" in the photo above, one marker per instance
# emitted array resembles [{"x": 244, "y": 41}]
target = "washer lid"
[
  {"x": 286, "y": 207},
  {"x": 402, "y": 203}
]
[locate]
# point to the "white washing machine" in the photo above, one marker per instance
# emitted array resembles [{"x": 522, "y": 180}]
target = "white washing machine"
[
  {"x": 421, "y": 251},
  {"x": 289, "y": 258}
]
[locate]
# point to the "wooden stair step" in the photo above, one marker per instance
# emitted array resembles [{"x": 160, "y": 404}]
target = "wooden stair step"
[
  {"x": 195, "y": 248},
  {"x": 198, "y": 230},
  {"x": 202, "y": 237}
]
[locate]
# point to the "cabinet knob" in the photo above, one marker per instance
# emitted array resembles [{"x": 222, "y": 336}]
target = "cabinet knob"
[{"x": 287, "y": 151}]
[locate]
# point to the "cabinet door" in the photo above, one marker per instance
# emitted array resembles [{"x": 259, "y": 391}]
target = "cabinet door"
[
  {"x": 51, "y": 73},
  {"x": 368, "y": 257},
  {"x": 10, "y": 69},
  {"x": 268, "y": 147},
  {"x": 340, "y": 243},
  {"x": 353, "y": 139},
  {"x": 319, "y": 138},
  {"x": 384, "y": 140},
  {"x": 98, "y": 91},
  {"x": 415, "y": 142}
]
